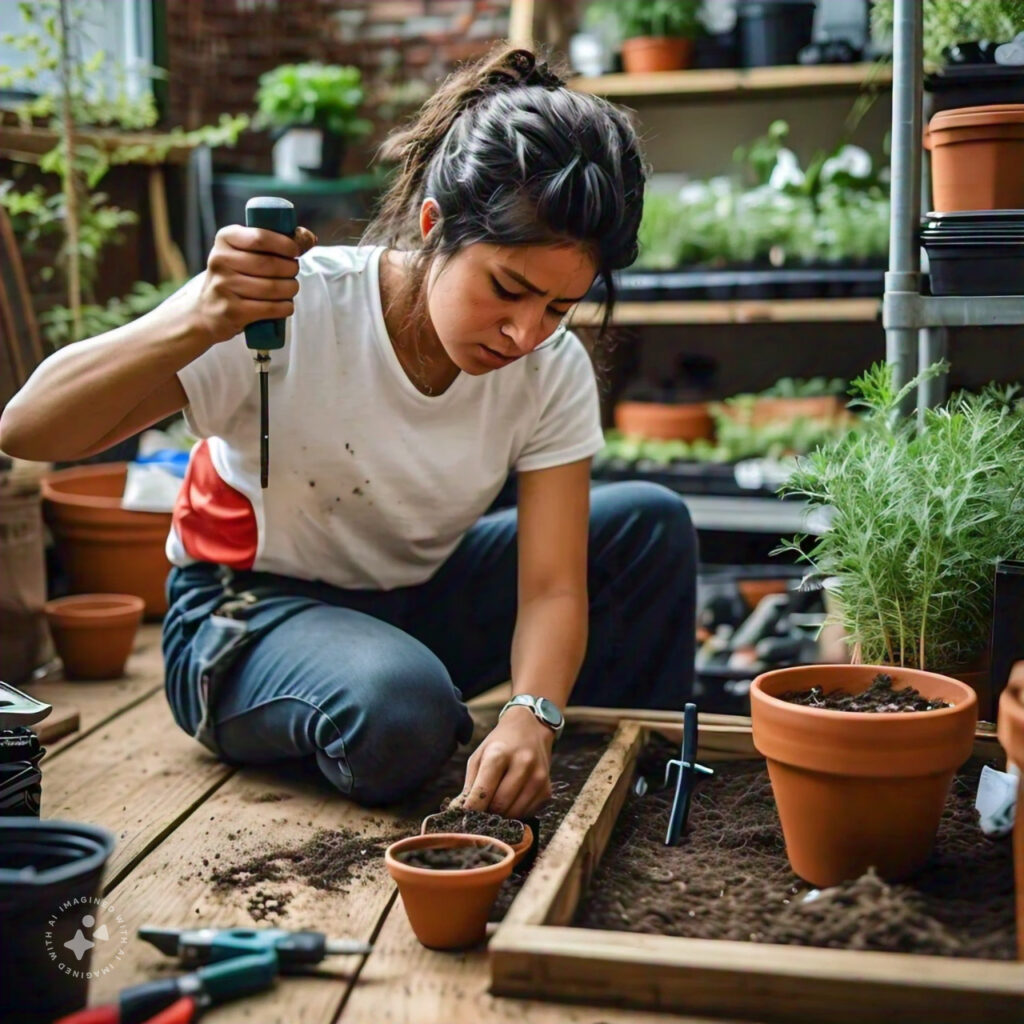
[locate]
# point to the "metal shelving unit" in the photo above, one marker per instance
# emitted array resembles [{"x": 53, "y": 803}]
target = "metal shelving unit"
[{"x": 915, "y": 324}]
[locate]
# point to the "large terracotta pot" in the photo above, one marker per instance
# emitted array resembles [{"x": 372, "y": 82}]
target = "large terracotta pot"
[
  {"x": 665, "y": 421},
  {"x": 448, "y": 909},
  {"x": 977, "y": 156},
  {"x": 106, "y": 549},
  {"x": 784, "y": 410},
  {"x": 656, "y": 53},
  {"x": 1011, "y": 736},
  {"x": 856, "y": 789}
]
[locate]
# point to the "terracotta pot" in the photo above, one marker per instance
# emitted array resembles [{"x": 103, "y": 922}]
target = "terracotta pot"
[
  {"x": 448, "y": 909},
  {"x": 754, "y": 592},
  {"x": 977, "y": 154},
  {"x": 1011, "y": 736},
  {"x": 665, "y": 421},
  {"x": 656, "y": 53},
  {"x": 105, "y": 548},
  {"x": 857, "y": 789},
  {"x": 785, "y": 410},
  {"x": 94, "y": 633}
]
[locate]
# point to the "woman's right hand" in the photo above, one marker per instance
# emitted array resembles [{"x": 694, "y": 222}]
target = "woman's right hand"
[{"x": 250, "y": 275}]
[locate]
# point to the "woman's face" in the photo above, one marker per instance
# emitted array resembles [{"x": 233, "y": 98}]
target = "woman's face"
[{"x": 490, "y": 305}]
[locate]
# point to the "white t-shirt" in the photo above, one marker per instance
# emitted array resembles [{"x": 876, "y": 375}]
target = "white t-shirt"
[{"x": 372, "y": 483}]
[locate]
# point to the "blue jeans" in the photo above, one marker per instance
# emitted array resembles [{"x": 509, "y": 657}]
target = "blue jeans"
[{"x": 369, "y": 683}]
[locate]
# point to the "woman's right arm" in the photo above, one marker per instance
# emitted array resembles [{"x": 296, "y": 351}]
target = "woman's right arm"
[{"x": 92, "y": 394}]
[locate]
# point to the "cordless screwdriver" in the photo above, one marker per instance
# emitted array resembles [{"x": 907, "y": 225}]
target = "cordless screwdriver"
[{"x": 263, "y": 336}]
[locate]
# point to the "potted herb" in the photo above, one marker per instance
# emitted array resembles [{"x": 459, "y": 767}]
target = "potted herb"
[
  {"x": 657, "y": 35},
  {"x": 919, "y": 516},
  {"x": 313, "y": 109}
]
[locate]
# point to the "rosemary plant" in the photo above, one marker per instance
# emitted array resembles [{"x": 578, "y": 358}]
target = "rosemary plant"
[{"x": 919, "y": 518}]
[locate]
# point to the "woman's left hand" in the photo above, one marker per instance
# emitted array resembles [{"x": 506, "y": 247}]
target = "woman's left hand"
[{"x": 509, "y": 773}]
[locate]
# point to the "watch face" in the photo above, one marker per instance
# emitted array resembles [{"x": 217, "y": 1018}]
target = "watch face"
[{"x": 549, "y": 711}]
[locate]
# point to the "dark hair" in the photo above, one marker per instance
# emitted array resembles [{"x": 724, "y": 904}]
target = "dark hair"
[{"x": 514, "y": 157}]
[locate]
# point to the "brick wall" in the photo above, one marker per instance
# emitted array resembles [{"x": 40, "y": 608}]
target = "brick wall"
[{"x": 217, "y": 49}]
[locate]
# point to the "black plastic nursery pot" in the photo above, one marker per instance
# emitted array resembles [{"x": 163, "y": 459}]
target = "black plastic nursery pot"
[
  {"x": 976, "y": 268},
  {"x": 975, "y": 85},
  {"x": 773, "y": 31},
  {"x": 50, "y": 916}
]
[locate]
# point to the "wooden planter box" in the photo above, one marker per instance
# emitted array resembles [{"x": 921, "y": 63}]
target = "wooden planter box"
[{"x": 534, "y": 954}]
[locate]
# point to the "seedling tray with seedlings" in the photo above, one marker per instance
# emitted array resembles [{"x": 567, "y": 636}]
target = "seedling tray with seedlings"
[{"x": 611, "y": 914}]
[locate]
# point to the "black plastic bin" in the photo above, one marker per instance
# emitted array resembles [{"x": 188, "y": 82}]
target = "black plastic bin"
[
  {"x": 773, "y": 31},
  {"x": 50, "y": 877}
]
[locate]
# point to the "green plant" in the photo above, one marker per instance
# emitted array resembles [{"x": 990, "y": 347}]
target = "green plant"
[
  {"x": 919, "y": 517},
  {"x": 327, "y": 96},
  {"x": 633, "y": 18},
  {"x": 814, "y": 387},
  {"x": 54, "y": 38},
  {"x": 948, "y": 22}
]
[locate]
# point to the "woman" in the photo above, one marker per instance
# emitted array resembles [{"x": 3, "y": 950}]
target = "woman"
[{"x": 343, "y": 613}]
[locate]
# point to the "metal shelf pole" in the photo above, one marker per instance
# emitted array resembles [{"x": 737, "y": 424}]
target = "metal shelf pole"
[{"x": 904, "y": 275}]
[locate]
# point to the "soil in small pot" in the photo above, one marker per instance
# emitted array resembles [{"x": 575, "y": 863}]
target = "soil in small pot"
[
  {"x": 452, "y": 858},
  {"x": 477, "y": 823},
  {"x": 730, "y": 878},
  {"x": 879, "y": 697}
]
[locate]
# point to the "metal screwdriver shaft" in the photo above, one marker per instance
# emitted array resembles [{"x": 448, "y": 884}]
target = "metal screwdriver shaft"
[{"x": 264, "y": 336}]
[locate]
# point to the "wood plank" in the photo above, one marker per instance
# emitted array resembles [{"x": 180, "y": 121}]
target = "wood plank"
[
  {"x": 711, "y": 82},
  {"x": 405, "y": 983},
  {"x": 98, "y": 702},
  {"x": 172, "y": 888},
  {"x": 562, "y": 872},
  {"x": 737, "y": 311},
  {"x": 61, "y": 721},
  {"x": 777, "y": 983},
  {"x": 138, "y": 775}
]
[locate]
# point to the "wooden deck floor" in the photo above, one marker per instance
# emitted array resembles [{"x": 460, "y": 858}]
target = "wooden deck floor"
[{"x": 171, "y": 805}]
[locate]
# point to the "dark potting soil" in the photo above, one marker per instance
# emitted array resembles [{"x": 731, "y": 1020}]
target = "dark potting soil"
[
  {"x": 730, "y": 879},
  {"x": 452, "y": 858},
  {"x": 477, "y": 823},
  {"x": 878, "y": 697},
  {"x": 332, "y": 859}
]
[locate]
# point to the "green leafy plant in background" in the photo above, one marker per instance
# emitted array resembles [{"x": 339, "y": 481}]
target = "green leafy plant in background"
[
  {"x": 90, "y": 93},
  {"x": 814, "y": 387},
  {"x": 949, "y": 22},
  {"x": 836, "y": 209},
  {"x": 634, "y": 18},
  {"x": 919, "y": 518},
  {"x": 326, "y": 96}
]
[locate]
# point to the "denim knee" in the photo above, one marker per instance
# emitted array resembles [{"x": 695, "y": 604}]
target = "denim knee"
[
  {"x": 406, "y": 731},
  {"x": 648, "y": 516}
]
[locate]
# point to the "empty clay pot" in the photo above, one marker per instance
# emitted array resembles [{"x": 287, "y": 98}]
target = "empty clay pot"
[
  {"x": 976, "y": 157},
  {"x": 106, "y": 548},
  {"x": 1011, "y": 736},
  {"x": 664, "y": 421},
  {"x": 448, "y": 909},
  {"x": 857, "y": 789},
  {"x": 656, "y": 53},
  {"x": 94, "y": 633}
]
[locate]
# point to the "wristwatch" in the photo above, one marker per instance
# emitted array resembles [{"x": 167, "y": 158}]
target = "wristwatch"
[{"x": 546, "y": 711}]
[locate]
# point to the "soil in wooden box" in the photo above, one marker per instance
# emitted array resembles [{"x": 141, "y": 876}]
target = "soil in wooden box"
[
  {"x": 331, "y": 859},
  {"x": 730, "y": 879}
]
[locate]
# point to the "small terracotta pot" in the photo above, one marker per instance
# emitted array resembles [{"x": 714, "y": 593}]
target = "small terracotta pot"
[
  {"x": 94, "y": 633},
  {"x": 977, "y": 154},
  {"x": 660, "y": 421},
  {"x": 857, "y": 789},
  {"x": 106, "y": 548},
  {"x": 754, "y": 592},
  {"x": 448, "y": 909},
  {"x": 1011, "y": 736},
  {"x": 656, "y": 53}
]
